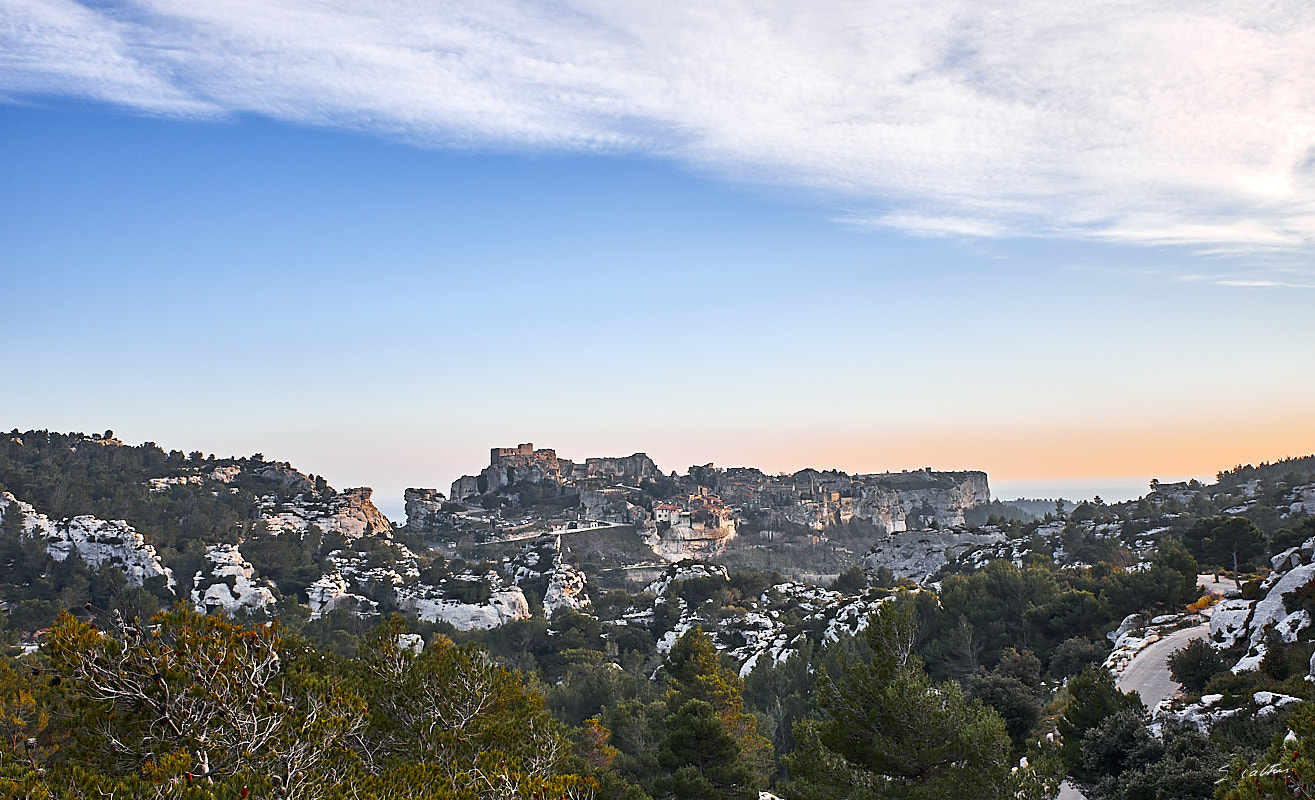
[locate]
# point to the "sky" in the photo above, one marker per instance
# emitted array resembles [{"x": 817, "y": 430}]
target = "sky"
[{"x": 1070, "y": 244}]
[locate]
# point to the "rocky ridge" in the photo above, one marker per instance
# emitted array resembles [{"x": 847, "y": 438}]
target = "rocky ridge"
[
  {"x": 100, "y": 543},
  {"x": 1254, "y": 621},
  {"x": 229, "y": 584}
]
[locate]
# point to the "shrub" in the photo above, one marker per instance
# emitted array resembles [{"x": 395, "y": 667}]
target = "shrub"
[{"x": 1194, "y": 665}]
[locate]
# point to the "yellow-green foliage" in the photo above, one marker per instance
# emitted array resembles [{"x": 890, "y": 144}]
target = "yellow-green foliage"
[{"x": 191, "y": 706}]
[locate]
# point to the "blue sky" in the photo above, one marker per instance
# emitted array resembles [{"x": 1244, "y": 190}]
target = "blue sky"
[{"x": 377, "y": 241}]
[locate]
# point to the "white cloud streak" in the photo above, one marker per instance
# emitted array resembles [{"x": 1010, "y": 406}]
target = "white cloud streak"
[{"x": 1154, "y": 123}]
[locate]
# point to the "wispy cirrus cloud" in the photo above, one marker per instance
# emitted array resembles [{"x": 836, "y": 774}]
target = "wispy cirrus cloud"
[
  {"x": 1162, "y": 123},
  {"x": 61, "y": 47}
]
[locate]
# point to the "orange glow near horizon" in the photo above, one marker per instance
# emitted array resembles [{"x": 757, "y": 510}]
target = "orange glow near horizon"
[{"x": 1042, "y": 452}]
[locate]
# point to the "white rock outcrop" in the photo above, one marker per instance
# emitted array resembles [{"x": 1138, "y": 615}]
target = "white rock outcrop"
[
  {"x": 1301, "y": 501},
  {"x": 567, "y": 585},
  {"x": 163, "y": 484},
  {"x": 332, "y": 592},
  {"x": 684, "y": 571},
  {"x": 100, "y": 543},
  {"x": 1270, "y": 610},
  {"x": 231, "y": 584},
  {"x": 349, "y": 512},
  {"x": 502, "y": 607},
  {"x": 685, "y": 538},
  {"x": 566, "y": 589},
  {"x": 424, "y": 510},
  {"x": 226, "y": 474},
  {"x": 1205, "y": 713},
  {"x": 1228, "y": 622},
  {"x": 1201, "y": 715},
  {"x": 920, "y": 554}
]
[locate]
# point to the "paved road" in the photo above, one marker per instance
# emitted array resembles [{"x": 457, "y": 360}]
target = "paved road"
[
  {"x": 1148, "y": 675},
  {"x": 522, "y": 537},
  {"x": 1148, "y": 672},
  {"x": 1068, "y": 791}
]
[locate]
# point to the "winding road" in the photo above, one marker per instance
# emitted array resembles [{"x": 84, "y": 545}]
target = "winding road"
[{"x": 1148, "y": 672}]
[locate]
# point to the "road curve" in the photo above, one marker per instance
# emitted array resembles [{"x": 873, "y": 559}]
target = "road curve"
[{"x": 1148, "y": 672}]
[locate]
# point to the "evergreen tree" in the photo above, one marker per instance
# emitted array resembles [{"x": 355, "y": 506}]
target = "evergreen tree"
[
  {"x": 904, "y": 735},
  {"x": 1287, "y": 769},
  {"x": 702, "y": 758},
  {"x": 696, "y": 673},
  {"x": 1092, "y": 698},
  {"x": 1225, "y": 542}
]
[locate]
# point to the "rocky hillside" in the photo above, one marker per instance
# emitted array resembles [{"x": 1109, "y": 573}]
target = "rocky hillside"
[
  {"x": 250, "y": 536},
  {"x": 240, "y": 536}
]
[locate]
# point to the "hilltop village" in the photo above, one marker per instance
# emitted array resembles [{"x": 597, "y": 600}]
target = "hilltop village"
[{"x": 524, "y": 489}]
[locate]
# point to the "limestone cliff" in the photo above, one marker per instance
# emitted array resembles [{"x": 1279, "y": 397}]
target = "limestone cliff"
[
  {"x": 429, "y": 604},
  {"x": 894, "y": 502},
  {"x": 424, "y": 510},
  {"x": 349, "y": 512},
  {"x": 919, "y": 554},
  {"x": 685, "y": 538},
  {"x": 100, "y": 543},
  {"x": 627, "y": 469},
  {"x": 903, "y": 500}
]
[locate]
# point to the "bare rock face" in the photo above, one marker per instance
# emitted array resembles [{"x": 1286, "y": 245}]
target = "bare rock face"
[
  {"x": 1229, "y": 621},
  {"x": 284, "y": 475},
  {"x": 892, "y": 501},
  {"x": 330, "y": 593},
  {"x": 566, "y": 589},
  {"x": 904, "y": 500},
  {"x": 566, "y": 584},
  {"x": 231, "y": 584},
  {"x": 628, "y": 469},
  {"x": 920, "y": 554},
  {"x": 1255, "y": 621},
  {"x": 354, "y": 512},
  {"x": 1270, "y": 611},
  {"x": 684, "y": 571},
  {"x": 424, "y": 509},
  {"x": 685, "y": 538},
  {"x": 1301, "y": 500},
  {"x": 503, "y": 606},
  {"x": 98, "y": 542},
  {"x": 465, "y": 486},
  {"x": 226, "y": 474},
  {"x": 348, "y": 512},
  {"x": 882, "y": 507}
]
